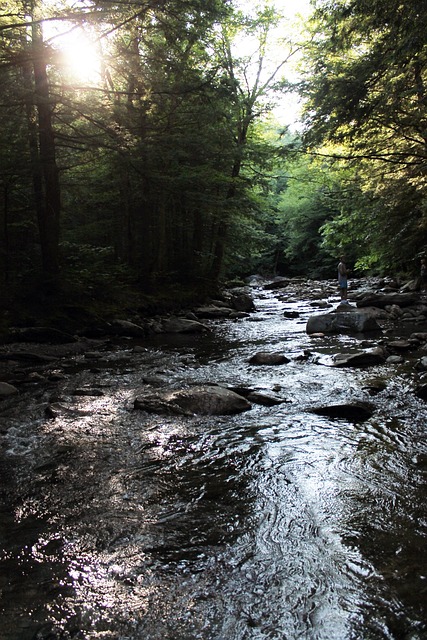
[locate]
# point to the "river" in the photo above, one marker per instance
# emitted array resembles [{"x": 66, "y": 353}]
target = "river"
[{"x": 275, "y": 523}]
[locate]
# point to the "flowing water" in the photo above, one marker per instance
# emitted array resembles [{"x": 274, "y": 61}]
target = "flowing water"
[{"x": 276, "y": 523}]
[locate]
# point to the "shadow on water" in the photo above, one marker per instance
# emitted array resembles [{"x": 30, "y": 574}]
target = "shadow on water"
[{"x": 275, "y": 523}]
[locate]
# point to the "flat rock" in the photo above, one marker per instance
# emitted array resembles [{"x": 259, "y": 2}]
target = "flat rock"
[
  {"x": 355, "y": 412},
  {"x": 197, "y": 400},
  {"x": 382, "y": 300},
  {"x": 365, "y": 358}
]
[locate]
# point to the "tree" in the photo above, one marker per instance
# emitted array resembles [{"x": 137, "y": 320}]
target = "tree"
[
  {"x": 26, "y": 62},
  {"x": 250, "y": 80},
  {"x": 365, "y": 90},
  {"x": 158, "y": 167}
]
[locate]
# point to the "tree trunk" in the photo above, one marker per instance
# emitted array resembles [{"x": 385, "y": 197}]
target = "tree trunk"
[
  {"x": 45, "y": 175},
  {"x": 4, "y": 239}
]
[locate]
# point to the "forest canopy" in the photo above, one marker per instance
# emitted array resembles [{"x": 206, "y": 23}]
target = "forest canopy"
[{"x": 150, "y": 155}]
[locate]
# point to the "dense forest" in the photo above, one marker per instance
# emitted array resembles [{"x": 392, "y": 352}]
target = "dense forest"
[{"x": 159, "y": 167}]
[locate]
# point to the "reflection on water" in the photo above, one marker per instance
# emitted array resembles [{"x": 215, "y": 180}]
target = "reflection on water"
[{"x": 276, "y": 523}]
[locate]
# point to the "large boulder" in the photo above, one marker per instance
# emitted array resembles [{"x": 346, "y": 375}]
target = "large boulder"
[
  {"x": 197, "y": 400},
  {"x": 364, "y": 358},
  {"x": 342, "y": 322},
  {"x": 383, "y": 300},
  {"x": 240, "y": 300}
]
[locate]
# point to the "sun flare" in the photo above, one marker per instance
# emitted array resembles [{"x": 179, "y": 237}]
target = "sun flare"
[{"x": 81, "y": 58}]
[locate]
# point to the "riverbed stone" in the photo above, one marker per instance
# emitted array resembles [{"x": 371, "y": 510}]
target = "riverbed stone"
[
  {"x": 421, "y": 391},
  {"x": 183, "y": 325},
  {"x": 395, "y": 359},
  {"x": 342, "y": 322},
  {"x": 383, "y": 300},
  {"x": 265, "y": 399},
  {"x": 268, "y": 358},
  {"x": 419, "y": 336},
  {"x": 125, "y": 328},
  {"x": 421, "y": 364},
  {"x": 355, "y": 411},
  {"x": 197, "y": 400},
  {"x": 363, "y": 358},
  {"x": 7, "y": 390},
  {"x": 277, "y": 283},
  {"x": 213, "y": 312},
  {"x": 240, "y": 300},
  {"x": 400, "y": 345}
]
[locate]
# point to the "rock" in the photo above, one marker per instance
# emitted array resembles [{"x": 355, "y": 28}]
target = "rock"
[
  {"x": 365, "y": 358},
  {"x": 421, "y": 391},
  {"x": 412, "y": 285},
  {"x": 267, "y": 358},
  {"x": 128, "y": 329},
  {"x": 395, "y": 360},
  {"x": 213, "y": 312},
  {"x": 199, "y": 400},
  {"x": 375, "y": 387},
  {"x": 394, "y": 310},
  {"x": 342, "y": 322},
  {"x": 382, "y": 300},
  {"x": 264, "y": 399},
  {"x": 7, "y": 390},
  {"x": 355, "y": 412},
  {"x": 240, "y": 300},
  {"x": 291, "y": 314},
  {"x": 183, "y": 325},
  {"x": 156, "y": 404},
  {"x": 421, "y": 336},
  {"x": 399, "y": 345},
  {"x": 255, "y": 280},
  {"x": 421, "y": 365},
  {"x": 373, "y": 312},
  {"x": 278, "y": 283},
  {"x": 259, "y": 397}
]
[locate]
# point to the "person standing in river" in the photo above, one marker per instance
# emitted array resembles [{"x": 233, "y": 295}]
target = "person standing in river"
[{"x": 342, "y": 279}]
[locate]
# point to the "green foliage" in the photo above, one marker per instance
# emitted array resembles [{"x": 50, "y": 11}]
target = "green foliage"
[{"x": 365, "y": 88}]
